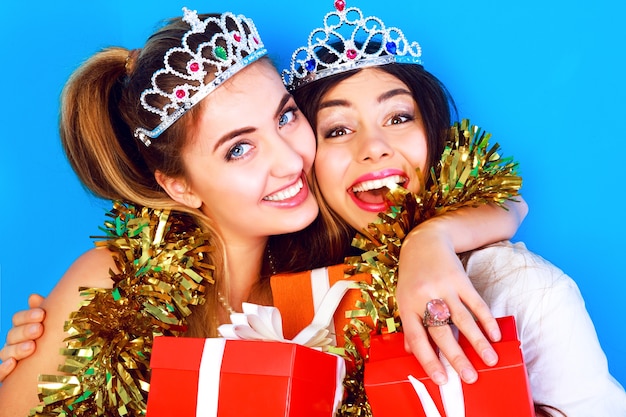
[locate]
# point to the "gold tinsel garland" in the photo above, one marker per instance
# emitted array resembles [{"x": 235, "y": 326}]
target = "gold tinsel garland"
[
  {"x": 163, "y": 264},
  {"x": 469, "y": 173}
]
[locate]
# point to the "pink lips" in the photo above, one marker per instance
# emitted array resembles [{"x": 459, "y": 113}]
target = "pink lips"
[
  {"x": 296, "y": 199},
  {"x": 375, "y": 207}
]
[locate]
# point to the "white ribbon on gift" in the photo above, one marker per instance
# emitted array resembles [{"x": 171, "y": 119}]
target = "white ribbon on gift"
[
  {"x": 451, "y": 392},
  {"x": 209, "y": 378}
]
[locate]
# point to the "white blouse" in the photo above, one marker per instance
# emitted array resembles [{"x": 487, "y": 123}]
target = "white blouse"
[{"x": 566, "y": 365}]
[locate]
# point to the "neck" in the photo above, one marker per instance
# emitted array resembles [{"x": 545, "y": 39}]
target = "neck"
[{"x": 244, "y": 260}]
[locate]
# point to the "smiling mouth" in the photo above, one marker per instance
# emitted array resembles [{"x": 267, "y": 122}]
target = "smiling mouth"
[
  {"x": 287, "y": 193},
  {"x": 374, "y": 191}
]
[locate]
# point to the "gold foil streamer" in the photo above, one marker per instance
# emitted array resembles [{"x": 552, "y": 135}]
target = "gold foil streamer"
[
  {"x": 162, "y": 257},
  {"x": 469, "y": 173}
]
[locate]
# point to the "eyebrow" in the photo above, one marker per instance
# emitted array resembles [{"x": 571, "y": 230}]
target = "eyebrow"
[
  {"x": 383, "y": 97},
  {"x": 245, "y": 130},
  {"x": 392, "y": 93}
]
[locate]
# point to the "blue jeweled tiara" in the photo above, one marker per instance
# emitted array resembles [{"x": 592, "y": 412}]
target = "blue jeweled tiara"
[
  {"x": 227, "y": 52},
  {"x": 348, "y": 41}
]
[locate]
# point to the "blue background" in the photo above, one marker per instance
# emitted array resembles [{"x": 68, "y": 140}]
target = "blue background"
[{"x": 546, "y": 78}]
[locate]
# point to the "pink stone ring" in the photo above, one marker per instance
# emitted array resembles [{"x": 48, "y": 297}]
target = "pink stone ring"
[{"x": 437, "y": 313}]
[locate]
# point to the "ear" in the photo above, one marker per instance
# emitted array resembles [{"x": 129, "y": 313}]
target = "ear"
[{"x": 178, "y": 189}]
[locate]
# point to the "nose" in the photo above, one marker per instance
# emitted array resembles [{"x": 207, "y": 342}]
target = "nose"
[
  {"x": 285, "y": 159},
  {"x": 373, "y": 146}
]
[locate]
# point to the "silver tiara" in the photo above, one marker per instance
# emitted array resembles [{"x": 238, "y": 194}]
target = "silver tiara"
[
  {"x": 228, "y": 50},
  {"x": 348, "y": 41}
]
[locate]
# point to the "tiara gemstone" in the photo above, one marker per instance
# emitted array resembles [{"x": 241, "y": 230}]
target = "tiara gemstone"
[
  {"x": 220, "y": 53},
  {"x": 194, "y": 67},
  {"x": 348, "y": 40},
  {"x": 180, "y": 93},
  {"x": 237, "y": 37}
]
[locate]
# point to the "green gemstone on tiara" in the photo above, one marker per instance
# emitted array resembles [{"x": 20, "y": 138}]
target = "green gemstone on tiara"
[{"x": 220, "y": 53}]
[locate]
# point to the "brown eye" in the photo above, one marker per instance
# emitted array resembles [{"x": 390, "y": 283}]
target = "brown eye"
[
  {"x": 399, "y": 119},
  {"x": 337, "y": 132}
]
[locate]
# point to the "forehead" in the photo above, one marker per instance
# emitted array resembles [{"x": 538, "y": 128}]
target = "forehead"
[
  {"x": 249, "y": 99},
  {"x": 368, "y": 81},
  {"x": 259, "y": 84},
  {"x": 249, "y": 80}
]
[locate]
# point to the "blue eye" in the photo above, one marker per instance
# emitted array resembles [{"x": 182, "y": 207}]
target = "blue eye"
[
  {"x": 287, "y": 117},
  {"x": 238, "y": 150}
]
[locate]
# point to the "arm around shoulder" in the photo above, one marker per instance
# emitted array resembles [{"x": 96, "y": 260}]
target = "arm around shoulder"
[{"x": 18, "y": 393}]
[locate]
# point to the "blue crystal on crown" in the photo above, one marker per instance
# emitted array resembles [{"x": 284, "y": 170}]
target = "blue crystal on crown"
[
  {"x": 234, "y": 45},
  {"x": 348, "y": 41}
]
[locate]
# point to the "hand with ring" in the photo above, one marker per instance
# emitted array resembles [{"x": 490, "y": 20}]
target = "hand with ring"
[
  {"x": 20, "y": 341},
  {"x": 433, "y": 291}
]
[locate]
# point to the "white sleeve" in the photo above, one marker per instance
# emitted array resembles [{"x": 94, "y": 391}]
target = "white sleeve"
[{"x": 566, "y": 365}]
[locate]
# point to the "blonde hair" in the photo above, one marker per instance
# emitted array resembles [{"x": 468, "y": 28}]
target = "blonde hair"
[{"x": 100, "y": 109}]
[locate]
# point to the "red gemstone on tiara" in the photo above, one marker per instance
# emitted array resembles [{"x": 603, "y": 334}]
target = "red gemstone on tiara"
[
  {"x": 180, "y": 93},
  {"x": 351, "y": 53},
  {"x": 237, "y": 37},
  {"x": 340, "y": 5},
  {"x": 194, "y": 66}
]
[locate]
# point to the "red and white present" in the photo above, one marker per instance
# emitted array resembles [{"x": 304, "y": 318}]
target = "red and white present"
[
  {"x": 396, "y": 384},
  {"x": 238, "y": 378}
]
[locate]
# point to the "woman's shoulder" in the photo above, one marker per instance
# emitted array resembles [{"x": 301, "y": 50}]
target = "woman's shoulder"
[
  {"x": 19, "y": 391},
  {"x": 513, "y": 268},
  {"x": 91, "y": 269},
  {"x": 506, "y": 255}
]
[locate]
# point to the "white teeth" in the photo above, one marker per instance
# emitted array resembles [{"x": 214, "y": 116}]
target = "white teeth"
[
  {"x": 377, "y": 184},
  {"x": 285, "y": 194}
]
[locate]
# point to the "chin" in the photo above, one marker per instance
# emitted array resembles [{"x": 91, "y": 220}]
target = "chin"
[{"x": 362, "y": 220}]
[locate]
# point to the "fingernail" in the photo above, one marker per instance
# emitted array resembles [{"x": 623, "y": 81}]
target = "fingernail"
[
  {"x": 469, "y": 375},
  {"x": 439, "y": 378},
  {"x": 33, "y": 329},
  {"x": 35, "y": 314},
  {"x": 495, "y": 335},
  {"x": 490, "y": 357},
  {"x": 25, "y": 347},
  {"x": 7, "y": 364}
]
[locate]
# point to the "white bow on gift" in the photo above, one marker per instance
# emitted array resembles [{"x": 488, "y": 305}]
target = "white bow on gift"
[
  {"x": 265, "y": 323},
  {"x": 451, "y": 392}
]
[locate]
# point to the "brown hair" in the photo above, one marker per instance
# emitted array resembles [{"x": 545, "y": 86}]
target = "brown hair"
[
  {"x": 331, "y": 235},
  {"x": 100, "y": 109},
  {"x": 436, "y": 106}
]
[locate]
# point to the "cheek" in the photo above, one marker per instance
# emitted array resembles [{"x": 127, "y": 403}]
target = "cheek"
[
  {"x": 304, "y": 144},
  {"x": 329, "y": 170},
  {"x": 415, "y": 152}
]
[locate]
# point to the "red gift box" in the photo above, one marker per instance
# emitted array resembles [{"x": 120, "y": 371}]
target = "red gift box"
[
  {"x": 502, "y": 390},
  {"x": 238, "y": 378}
]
